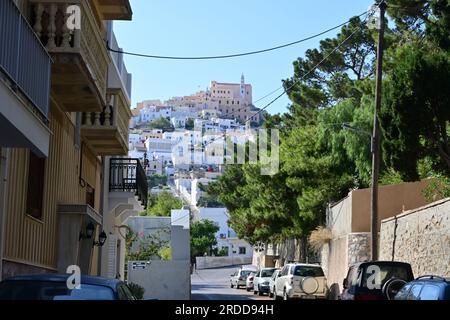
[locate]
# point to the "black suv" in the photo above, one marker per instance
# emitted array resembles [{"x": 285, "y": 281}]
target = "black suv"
[
  {"x": 377, "y": 280},
  {"x": 426, "y": 288}
]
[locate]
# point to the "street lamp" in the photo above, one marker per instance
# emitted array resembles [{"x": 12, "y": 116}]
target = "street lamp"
[
  {"x": 101, "y": 240},
  {"x": 374, "y": 150},
  {"x": 90, "y": 228}
]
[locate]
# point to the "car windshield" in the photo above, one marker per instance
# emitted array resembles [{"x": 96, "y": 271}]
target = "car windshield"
[
  {"x": 42, "y": 290},
  {"x": 267, "y": 273},
  {"x": 386, "y": 272},
  {"x": 305, "y": 271},
  {"x": 245, "y": 273}
]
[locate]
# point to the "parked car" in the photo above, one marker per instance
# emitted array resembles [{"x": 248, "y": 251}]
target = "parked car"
[
  {"x": 272, "y": 282},
  {"x": 425, "y": 288},
  {"x": 249, "y": 282},
  {"x": 239, "y": 278},
  {"x": 378, "y": 280},
  {"x": 261, "y": 283},
  {"x": 54, "y": 287},
  {"x": 301, "y": 281}
]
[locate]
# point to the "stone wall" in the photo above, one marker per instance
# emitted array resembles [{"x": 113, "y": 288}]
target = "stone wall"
[
  {"x": 359, "y": 247},
  {"x": 339, "y": 254},
  {"x": 218, "y": 262},
  {"x": 420, "y": 237}
]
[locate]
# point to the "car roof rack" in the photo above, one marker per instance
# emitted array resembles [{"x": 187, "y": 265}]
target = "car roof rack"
[{"x": 432, "y": 277}]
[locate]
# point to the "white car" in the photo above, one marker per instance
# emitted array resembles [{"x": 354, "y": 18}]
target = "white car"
[
  {"x": 301, "y": 281},
  {"x": 250, "y": 278},
  {"x": 272, "y": 282},
  {"x": 261, "y": 283}
]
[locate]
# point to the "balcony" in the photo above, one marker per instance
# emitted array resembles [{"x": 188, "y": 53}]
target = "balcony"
[
  {"x": 24, "y": 83},
  {"x": 106, "y": 132},
  {"x": 79, "y": 74},
  {"x": 115, "y": 9},
  {"x": 118, "y": 76},
  {"x": 128, "y": 175}
]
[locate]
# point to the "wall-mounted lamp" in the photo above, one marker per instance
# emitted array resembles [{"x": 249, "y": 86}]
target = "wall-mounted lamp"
[
  {"x": 101, "y": 240},
  {"x": 90, "y": 228}
]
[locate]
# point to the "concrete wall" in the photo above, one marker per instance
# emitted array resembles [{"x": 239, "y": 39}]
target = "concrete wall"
[
  {"x": 393, "y": 199},
  {"x": 217, "y": 262},
  {"x": 339, "y": 217},
  {"x": 420, "y": 237},
  {"x": 165, "y": 280},
  {"x": 335, "y": 261},
  {"x": 162, "y": 280}
]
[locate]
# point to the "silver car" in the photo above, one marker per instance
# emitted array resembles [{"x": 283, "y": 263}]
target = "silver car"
[
  {"x": 250, "y": 279},
  {"x": 239, "y": 278},
  {"x": 261, "y": 283},
  {"x": 272, "y": 282}
]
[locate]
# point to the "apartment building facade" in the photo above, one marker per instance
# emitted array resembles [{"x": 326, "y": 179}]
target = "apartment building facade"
[{"x": 78, "y": 114}]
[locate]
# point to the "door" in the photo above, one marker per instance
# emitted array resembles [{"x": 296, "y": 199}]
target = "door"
[
  {"x": 256, "y": 280},
  {"x": 279, "y": 282}
]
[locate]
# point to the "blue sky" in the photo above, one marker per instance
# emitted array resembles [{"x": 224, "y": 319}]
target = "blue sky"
[{"x": 207, "y": 27}]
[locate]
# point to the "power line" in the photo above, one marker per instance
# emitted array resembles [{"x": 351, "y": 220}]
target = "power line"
[
  {"x": 227, "y": 56},
  {"x": 303, "y": 77},
  {"x": 296, "y": 81}
]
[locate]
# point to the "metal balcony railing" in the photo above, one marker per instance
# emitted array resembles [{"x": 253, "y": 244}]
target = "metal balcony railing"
[
  {"x": 128, "y": 175},
  {"x": 23, "y": 58}
]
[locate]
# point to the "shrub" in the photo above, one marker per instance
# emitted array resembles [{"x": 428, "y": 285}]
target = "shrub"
[
  {"x": 319, "y": 237},
  {"x": 137, "y": 290}
]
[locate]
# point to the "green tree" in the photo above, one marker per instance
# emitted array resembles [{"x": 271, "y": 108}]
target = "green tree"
[
  {"x": 203, "y": 238},
  {"x": 415, "y": 116},
  {"x": 163, "y": 204},
  {"x": 161, "y": 123},
  {"x": 189, "y": 124},
  {"x": 156, "y": 180}
]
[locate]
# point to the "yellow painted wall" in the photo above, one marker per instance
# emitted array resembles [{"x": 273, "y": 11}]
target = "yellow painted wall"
[{"x": 32, "y": 241}]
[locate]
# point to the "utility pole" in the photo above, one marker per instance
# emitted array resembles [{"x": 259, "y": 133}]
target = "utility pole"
[{"x": 376, "y": 133}]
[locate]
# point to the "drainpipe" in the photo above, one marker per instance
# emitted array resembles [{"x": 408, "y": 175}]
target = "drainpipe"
[{"x": 3, "y": 171}]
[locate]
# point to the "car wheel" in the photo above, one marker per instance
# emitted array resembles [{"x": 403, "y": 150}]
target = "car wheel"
[
  {"x": 285, "y": 295},
  {"x": 249, "y": 289},
  {"x": 275, "y": 297},
  {"x": 270, "y": 294},
  {"x": 259, "y": 291},
  {"x": 238, "y": 286},
  {"x": 231, "y": 285},
  {"x": 255, "y": 292},
  {"x": 392, "y": 287}
]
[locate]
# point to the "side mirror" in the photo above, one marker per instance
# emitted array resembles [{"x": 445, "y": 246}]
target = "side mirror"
[{"x": 345, "y": 283}]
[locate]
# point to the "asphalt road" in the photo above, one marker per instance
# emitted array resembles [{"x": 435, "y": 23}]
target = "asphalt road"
[{"x": 214, "y": 284}]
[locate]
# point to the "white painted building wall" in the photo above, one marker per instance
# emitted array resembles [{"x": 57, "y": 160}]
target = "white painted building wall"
[{"x": 164, "y": 280}]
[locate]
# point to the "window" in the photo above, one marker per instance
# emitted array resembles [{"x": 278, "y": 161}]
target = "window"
[
  {"x": 90, "y": 196},
  {"x": 43, "y": 290},
  {"x": 308, "y": 271},
  {"x": 35, "y": 193},
  {"x": 267, "y": 273},
  {"x": 414, "y": 293},
  {"x": 403, "y": 293},
  {"x": 430, "y": 292},
  {"x": 242, "y": 250}
]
